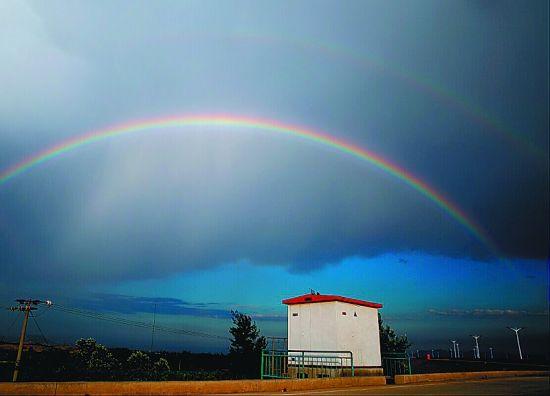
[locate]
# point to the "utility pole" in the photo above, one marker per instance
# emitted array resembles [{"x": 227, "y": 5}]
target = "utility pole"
[
  {"x": 491, "y": 351},
  {"x": 476, "y": 355},
  {"x": 153, "y": 329},
  {"x": 25, "y": 305},
  {"x": 457, "y": 350},
  {"x": 27, "y": 309},
  {"x": 517, "y": 330},
  {"x": 454, "y": 349}
]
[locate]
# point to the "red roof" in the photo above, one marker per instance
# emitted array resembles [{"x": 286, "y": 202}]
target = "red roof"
[{"x": 317, "y": 298}]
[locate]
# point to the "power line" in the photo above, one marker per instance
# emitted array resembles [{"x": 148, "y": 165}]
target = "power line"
[
  {"x": 13, "y": 322},
  {"x": 9, "y": 327},
  {"x": 133, "y": 323},
  {"x": 101, "y": 317},
  {"x": 44, "y": 311},
  {"x": 145, "y": 325},
  {"x": 28, "y": 305},
  {"x": 39, "y": 329},
  {"x": 153, "y": 329}
]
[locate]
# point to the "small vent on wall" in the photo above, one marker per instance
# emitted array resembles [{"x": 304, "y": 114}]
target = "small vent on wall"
[
  {"x": 295, "y": 314},
  {"x": 344, "y": 313}
]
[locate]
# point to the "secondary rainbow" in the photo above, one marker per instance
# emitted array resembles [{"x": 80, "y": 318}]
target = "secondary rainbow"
[
  {"x": 261, "y": 125},
  {"x": 369, "y": 62}
]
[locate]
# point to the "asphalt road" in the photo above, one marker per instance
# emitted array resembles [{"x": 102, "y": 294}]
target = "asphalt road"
[{"x": 500, "y": 386}]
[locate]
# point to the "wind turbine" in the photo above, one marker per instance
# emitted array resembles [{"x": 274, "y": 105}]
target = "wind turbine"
[
  {"x": 517, "y": 330},
  {"x": 475, "y": 337},
  {"x": 454, "y": 349}
]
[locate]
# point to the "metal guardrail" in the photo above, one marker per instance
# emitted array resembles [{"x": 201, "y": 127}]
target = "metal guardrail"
[
  {"x": 306, "y": 364},
  {"x": 396, "y": 363}
]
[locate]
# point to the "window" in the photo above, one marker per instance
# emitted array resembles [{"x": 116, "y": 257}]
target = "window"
[
  {"x": 355, "y": 314},
  {"x": 295, "y": 314},
  {"x": 344, "y": 313}
]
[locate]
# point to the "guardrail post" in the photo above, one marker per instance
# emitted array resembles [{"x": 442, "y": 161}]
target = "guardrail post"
[
  {"x": 272, "y": 368},
  {"x": 262, "y": 365}
]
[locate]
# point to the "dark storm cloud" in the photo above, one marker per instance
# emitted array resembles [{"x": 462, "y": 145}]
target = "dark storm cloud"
[
  {"x": 152, "y": 205},
  {"x": 122, "y": 304},
  {"x": 135, "y": 304}
]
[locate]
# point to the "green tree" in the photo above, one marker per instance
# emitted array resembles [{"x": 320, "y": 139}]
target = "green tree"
[
  {"x": 83, "y": 351},
  {"x": 139, "y": 361},
  {"x": 101, "y": 359},
  {"x": 139, "y": 366},
  {"x": 93, "y": 356},
  {"x": 246, "y": 346},
  {"x": 389, "y": 340},
  {"x": 161, "y": 369}
]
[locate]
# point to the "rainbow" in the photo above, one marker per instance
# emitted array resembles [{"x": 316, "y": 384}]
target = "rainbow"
[
  {"x": 256, "y": 124},
  {"x": 421, "y": 83}
]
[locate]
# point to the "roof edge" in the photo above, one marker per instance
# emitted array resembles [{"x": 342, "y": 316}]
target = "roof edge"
[{"x": 319, "y": 298}]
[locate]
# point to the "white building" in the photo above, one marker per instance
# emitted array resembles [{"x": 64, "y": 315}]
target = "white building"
[{"x": 334, "y": 323}]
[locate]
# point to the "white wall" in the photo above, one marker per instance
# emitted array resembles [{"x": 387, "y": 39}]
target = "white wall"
[
  {"x": 359, "y": 334},
  {"x": 321, "y": 326}
]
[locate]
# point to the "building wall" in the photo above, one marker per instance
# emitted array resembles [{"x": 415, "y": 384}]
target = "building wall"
[
  {"x": 359, "y": 334},
  {"x": 314, "y": 328},
  {"x": 322, "y": 326}
]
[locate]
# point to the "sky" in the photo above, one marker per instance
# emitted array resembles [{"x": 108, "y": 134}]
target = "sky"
[{"x": 184, "y": 223}]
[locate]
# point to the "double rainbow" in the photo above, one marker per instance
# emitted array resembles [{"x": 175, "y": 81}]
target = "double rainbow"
[
  {"x": 363, "y": 61},
  {"x": 260, "y": 125}
]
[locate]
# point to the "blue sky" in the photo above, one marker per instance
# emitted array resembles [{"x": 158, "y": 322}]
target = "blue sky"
[{"x": 204, "y": 220}]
